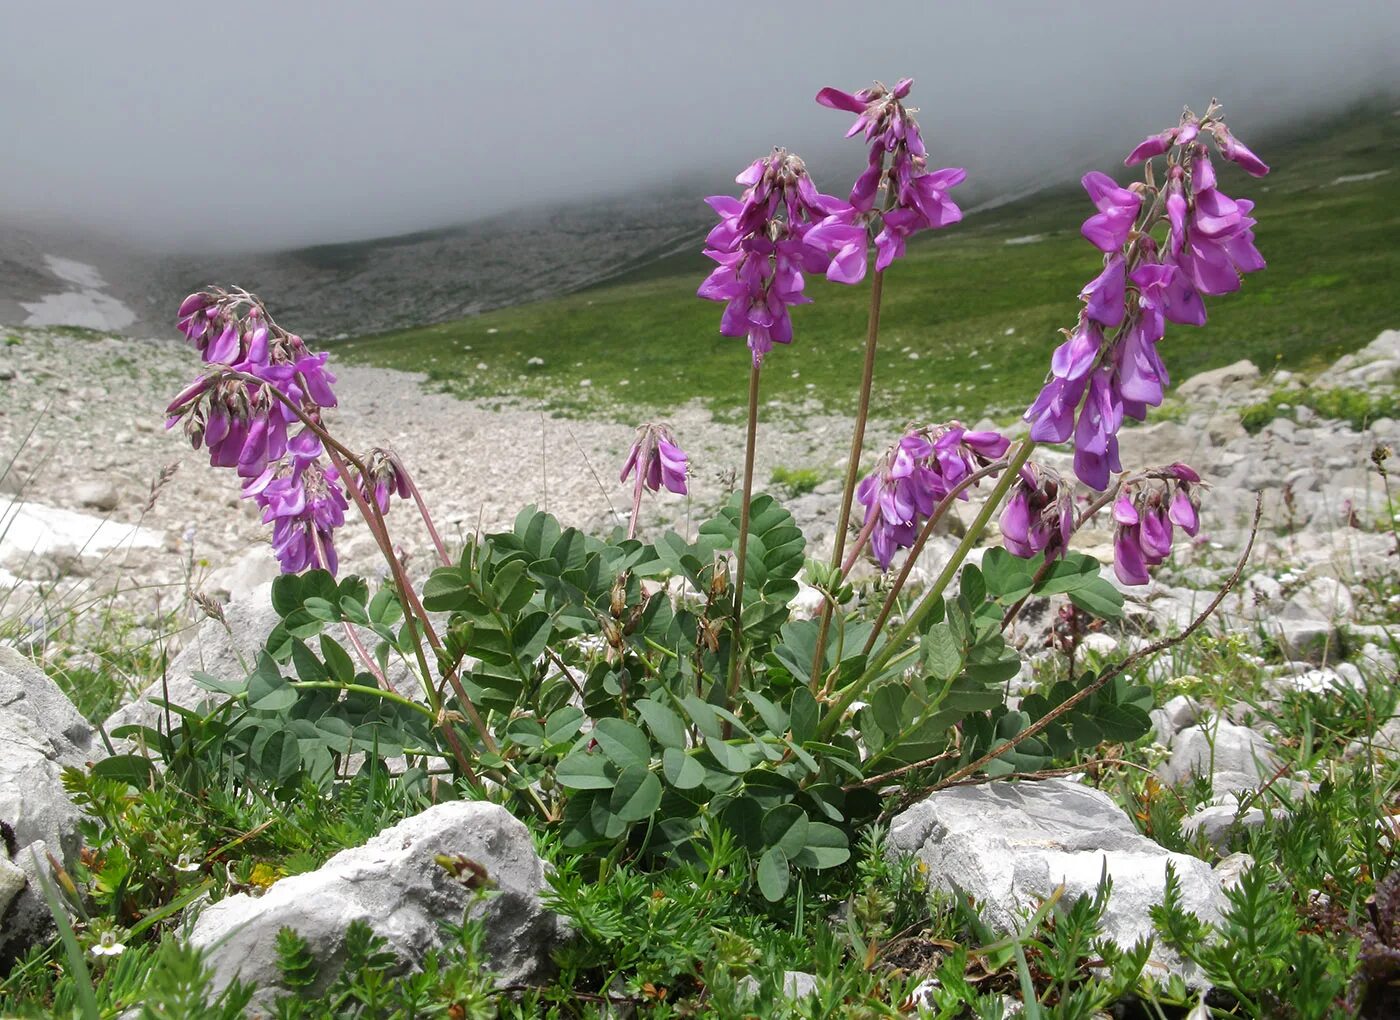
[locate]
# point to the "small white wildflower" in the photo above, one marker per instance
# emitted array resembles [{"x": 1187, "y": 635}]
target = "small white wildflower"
[
  {"x": 183, "y": 863},
  {"x": 535, "y": 361},
  {"x": 107, "y": 945}
]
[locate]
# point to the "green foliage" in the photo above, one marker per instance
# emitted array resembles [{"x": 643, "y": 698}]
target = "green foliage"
[
  {"x": 796, "y": 481},
  {"x": 1260, "y": 953},
  {"x": 1358, "y": 408}
]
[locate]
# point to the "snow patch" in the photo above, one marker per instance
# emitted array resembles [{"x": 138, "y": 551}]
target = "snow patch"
[{"x": 89, "y": 306}]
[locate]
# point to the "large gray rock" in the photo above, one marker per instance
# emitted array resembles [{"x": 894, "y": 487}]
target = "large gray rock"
[
  {"x": 1235, "y": 758},
  {"x": 40, "y": 734},
  {"x": 1010, "y": 845},
  {"x": 1219, "y": 383},
  {"x": 394, "y": 884},
  {"x": 1322, "y": 598},
  {"x": 1221, "y": 824},
  {"x": 26, "y": 690},
  {"x": 226, "y": 649}
]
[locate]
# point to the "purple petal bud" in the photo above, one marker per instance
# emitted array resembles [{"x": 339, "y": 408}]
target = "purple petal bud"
[
  {"x": 1128, "y": 562},
  {"x": 1154, "y": 145},
  {"x": 1183, "y": 512}
]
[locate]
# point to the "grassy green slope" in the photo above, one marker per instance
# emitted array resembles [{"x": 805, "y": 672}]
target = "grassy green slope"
[{"x": 970, "y": 317}]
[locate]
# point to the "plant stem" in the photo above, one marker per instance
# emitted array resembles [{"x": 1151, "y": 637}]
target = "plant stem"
[
  {"x": 636, "y": 505},
  {"x": 843, "y": 520},
  {"x": 931, "y": 598},
  {"x": 944, "y": 505},
  {"x": 743, "y": 552},
  {"x": 443, "y": 558}
]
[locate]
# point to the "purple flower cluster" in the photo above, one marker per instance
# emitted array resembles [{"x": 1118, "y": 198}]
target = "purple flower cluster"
[
  {"x": 917, "y": 198},
  {"x": 385, "y": 476},
  {"x": 1144, "y": 515},
  {"x": 766, "y": 239},
  {"x": 915, "y": 475},
  {"x": 657, "y": 460},
  {"x": 1108, "y": 367},
  {"x": 245, "y": 426},
  {"x": 1039, "y": 516}
]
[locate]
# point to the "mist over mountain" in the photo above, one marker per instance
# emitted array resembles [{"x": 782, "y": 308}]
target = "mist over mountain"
[{"x": 365, "y": 166}]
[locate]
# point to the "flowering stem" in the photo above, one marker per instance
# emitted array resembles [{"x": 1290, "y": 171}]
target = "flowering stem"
[
  {"x": 427, "y": 518},
  {"x": 859, "y": 546},
  {"x": 636, "y": 504},
  {"x": 1083, "y": 519},
  {"x": 944, "y": 505},
  {"x": 743, "y": 534},
  {"x": 932, "y": 597},
  {"x": 843, "y": 520},
  {"x": 365, "y": 657}
]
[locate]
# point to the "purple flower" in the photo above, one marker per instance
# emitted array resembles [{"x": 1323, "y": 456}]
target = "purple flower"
[
  {"x": 1237, "y": 152},
  {"x": 1074, "y": 358},
  {"x": 1111, "y": 361},
  {"x": 1144, "y": 514},
  {"x": 1118, "y": 209},
  {"x": 1104, "y": 296},
  {"x": 1152, "y": 145},
  {"x": 304, "y": 510},
  {"x": 384, "y": 476},
  {"x": 658, "y": 461},
  {"x": 917, "y": 197},
  {"x": 1039, "y": 516},
  {"x": 915, "y": 475},
  {"x": 764, "y": 243},
  {"x": 246, "y": 423}
]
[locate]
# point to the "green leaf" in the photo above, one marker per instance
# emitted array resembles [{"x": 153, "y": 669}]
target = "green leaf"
[
  {"x": 773, "y": 717},
  {"x": 339, "y": 666},
  {"x": 278, "y": 754},
  {"x": 665, "y": 725},
  {"x": 583, "y": 771},
  {"x": 826, "y": 847},
  {"x": 1099, "y": 598},
  {"x": 1074, "y": 571},
  {"x": 512, "y": 588},
  {"x": 785, "y": 826},
  {"x": 563, "y": 724},
  {"x": 773, "y": 874},
  {"x": 623, "y": 742},
  {"x": 132, "y": 769},
  {"x": 702, "y": 715},
  {"x": 525, "y": 732},
  {"x": 971, "y": 587},
  {"x": 1008, "y": 577},
  {"x": 727, "y": 756},
  {"x": 637, "y": 794},
  {"x": 744, "y": 818},
  {"x": 286, "y": 594},
  {"x": 805, "y": 715},
  {"x": 681, "y": 770},
  {"x": 322, "y": 609},
  {"x": 942, "y": 655},
  {"x": 232, "y": 688},
  {"x": 445, "y": 590},
  {"x": 268, "y": 690},
  {"x": 308, "y": 667},
  {"x": 354, "y": 610}
]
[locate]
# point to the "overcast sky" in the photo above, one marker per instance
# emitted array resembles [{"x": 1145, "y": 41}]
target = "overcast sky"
[{"x": 267, "y": 124}]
